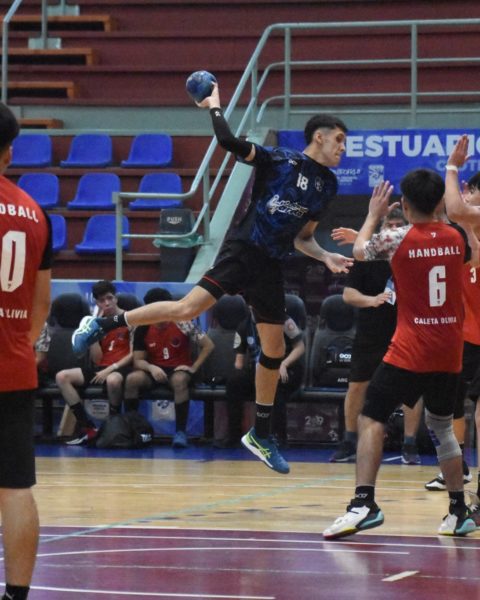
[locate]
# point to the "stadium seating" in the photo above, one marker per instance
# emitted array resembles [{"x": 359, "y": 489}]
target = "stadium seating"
[
  {"x": 44, "y": 188},
  {"x": 149, "y": 150},
  {"x": 99, "y": 236},
  {"x": 89, "y": 150},
  {"x": 94, "y": 192},
  {"x": 31, "y": 150},
  {"x": 59, "y": 232},
  {"x": 158, "y": 182}
]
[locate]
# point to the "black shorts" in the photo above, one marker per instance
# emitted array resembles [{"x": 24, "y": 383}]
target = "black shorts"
[
  {"x": 169, "y": 371},
  {"x": 391, "y": 386},
  {"x": 90, "y": 372},
  {"x": 17, "y": 449},
  {"x": 468, "y": 380},
  {"x": 364, "y": 361},
  {"x": 243, "y": 269}
]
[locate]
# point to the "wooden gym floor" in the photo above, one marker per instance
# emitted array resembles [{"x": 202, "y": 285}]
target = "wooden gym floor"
[{"x": 213, "y": 524}]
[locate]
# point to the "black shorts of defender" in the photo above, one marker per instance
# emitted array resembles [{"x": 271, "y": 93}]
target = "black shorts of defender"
[
  {"x": 469, "y": 381},
  {"x": 365, "y": 360},
  {"x": 244, "y": 269},
  {"x": 391, "y": 386},
  {"x": 17, "y": 449}
]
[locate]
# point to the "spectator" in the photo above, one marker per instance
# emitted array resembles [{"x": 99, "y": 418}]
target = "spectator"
[
  {"x": 162, "y": 354},
  {"x": 111, "y": 358}
]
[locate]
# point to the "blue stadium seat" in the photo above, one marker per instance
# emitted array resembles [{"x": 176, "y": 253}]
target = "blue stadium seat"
[
  {"x": 44, "y": 188},
  {"x": 89, "y": 150},
  {"x": 149, "y": 150},
  {"x": 158, "y": 182},
  {"x": 99, "y": 236},
  {"x": 94, "y": 192},
  {"x": 31, "y": 150},
  {"x": 59, "y": 232}
]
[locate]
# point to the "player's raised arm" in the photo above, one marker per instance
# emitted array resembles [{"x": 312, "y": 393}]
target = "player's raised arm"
[
  {"x": 223, "y": 133},
  {"x": 457, "y": 209}
]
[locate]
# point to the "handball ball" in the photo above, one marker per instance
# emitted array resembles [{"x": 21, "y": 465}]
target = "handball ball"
[{"x": 200, "y": 85}]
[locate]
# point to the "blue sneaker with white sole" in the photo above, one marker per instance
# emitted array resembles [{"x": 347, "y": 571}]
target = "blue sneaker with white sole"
[
  {"x": 266, "y": 450},
  {"x": 88, "y": 332}
]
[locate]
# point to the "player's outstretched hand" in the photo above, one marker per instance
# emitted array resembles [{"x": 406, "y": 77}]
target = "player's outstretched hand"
[
  {"x": 212, "y": 101},
  {"x": 344, "y": 235},
  {"x": 378, "y": 206},
  {"x": 459, "y": 155},
  {"x": 337, "y": 263}
]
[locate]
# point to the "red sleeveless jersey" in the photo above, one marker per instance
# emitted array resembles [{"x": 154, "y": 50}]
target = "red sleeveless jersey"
[
  {"x": 24, "y": 249},
  {"x": 471, "y": 300},
  {"x": 427, "y": 264},
  {"x": 115, "y": 345},
  {"x": 167, "y": 346}
]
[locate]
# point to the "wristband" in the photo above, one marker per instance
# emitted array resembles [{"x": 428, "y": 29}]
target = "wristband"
[{"x": 451, "y": 168}]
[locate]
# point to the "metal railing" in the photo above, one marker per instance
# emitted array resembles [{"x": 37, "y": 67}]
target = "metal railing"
[
  {"x": 255, "y": 113},
  {"x": 5, "y": 30}
]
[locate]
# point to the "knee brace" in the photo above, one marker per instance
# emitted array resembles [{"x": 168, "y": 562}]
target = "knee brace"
[
  {"x": 268, "y": 362},
  {"x": 443, "y": 438}
]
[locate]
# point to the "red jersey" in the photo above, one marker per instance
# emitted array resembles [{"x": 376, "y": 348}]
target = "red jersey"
[
  {"x": 167, "y": 345},
  {"x": 427, "y": 264},
  {"x": 115, "y": 345},
  {"x": 24, "y": 250},
  {"x": 471, "y": 301}
]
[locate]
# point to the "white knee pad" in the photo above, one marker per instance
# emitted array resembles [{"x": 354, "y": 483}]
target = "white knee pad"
[{"x": 443, "y": 438}]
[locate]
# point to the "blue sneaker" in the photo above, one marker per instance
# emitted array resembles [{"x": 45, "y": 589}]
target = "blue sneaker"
[
  {"x": 180, "y": 440},
  {"x": 266, "y": 450},
  {"x": 88, "y": 332}
]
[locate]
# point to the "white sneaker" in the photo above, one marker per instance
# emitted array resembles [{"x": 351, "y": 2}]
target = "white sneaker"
[
  {"x": 455, "y": 525},
  {"x": 357, "y": 518}
]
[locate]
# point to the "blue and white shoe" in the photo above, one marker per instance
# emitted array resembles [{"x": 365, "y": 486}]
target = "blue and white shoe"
[
  {"x": 266, "y": 450},
  {"x": 180, "y": 440},
  {"x": 88, "y": 332},
  {"x": 457, "y": 525},
  {"x": 357, "y": 518}
]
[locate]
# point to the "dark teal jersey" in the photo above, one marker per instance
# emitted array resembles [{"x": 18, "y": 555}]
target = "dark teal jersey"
[{"x": 289, "y": 190}]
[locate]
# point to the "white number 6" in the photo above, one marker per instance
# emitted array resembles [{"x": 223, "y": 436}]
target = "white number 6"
[{"x": 437, "y": 288}]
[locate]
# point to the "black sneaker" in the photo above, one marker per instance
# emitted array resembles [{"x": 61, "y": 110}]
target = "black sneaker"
[
  {"x": 345, "y": 452},
  {"x": 410, "y": 455},
  {"x": 437, "y": 484}
]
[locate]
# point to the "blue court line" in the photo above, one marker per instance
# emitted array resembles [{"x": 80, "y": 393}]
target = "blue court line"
[{"x": 197, "y": 508}]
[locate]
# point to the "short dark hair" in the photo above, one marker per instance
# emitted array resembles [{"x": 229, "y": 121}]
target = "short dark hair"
[
  {"x": 423, "y": 189},
  {"x": 157, "y": 294},
  {"x": 395, "y": 214},
  {"x": 103, "y": 287},
  {"x": 9, "y": 127},
  {"x": 322, "y": 122},
  {"x": 474, "y": 181}
]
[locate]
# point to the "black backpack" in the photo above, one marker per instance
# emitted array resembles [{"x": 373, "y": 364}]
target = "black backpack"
[
  {"x": 333, "y": 357},
  {"x": 130, "y": 430}
]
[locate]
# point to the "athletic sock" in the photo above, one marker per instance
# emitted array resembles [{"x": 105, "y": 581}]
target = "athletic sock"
[
  {"x": 457, "y": 503},
  {"x": 181, "y": 415},
  {"x": 81, "y": 416},
  {"x": 15, "y": 592},
  {"x": 131, "y": 404},
  {"x": 262, "y": 419},
  {"x": 350, "y": 436},
  {"x": 110, "y": 323},
  {"x": 409, "y": 440},
  {"x": 365, "y": 494}
]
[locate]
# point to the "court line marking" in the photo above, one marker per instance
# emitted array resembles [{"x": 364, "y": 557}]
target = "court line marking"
[
  {"x": 265, "y": 540},
  {"x": 215, "y": 549},
  {"x": 150, "y": 594},
  {"x": 402, "y": 575},
  {"x": 197, "y": 508}
]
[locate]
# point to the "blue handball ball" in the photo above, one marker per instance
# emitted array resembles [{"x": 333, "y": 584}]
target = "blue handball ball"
[{"x": 200, "y": 85}]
